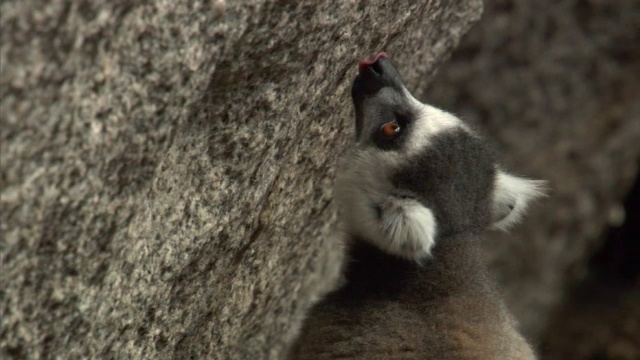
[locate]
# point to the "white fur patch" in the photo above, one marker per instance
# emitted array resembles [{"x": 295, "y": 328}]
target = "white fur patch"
[
  {"x": 429, "y": 122},
  {"x": 512, "y": 195},
  {"x": 399, "y": 226},
  {"x": 409, "y": 228}
]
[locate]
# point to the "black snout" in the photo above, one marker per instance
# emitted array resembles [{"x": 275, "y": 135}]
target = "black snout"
[
  {"x": 371, "y": 104},
  {"x": 374, "y": 74}
]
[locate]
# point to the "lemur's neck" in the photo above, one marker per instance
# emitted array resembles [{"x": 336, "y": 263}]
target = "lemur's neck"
[{"x": 456, "y": 267}]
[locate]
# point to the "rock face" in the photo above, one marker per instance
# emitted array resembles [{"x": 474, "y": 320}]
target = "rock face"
[
  {"x": 167, "y": 166},
  {"x": 555, "y": 85}
]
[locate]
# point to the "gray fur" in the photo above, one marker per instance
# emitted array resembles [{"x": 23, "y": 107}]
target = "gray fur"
[{"x": 438, "y": 302}]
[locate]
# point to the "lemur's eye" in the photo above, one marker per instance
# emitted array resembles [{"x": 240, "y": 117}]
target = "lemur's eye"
[{"x": 391, "y": 129}]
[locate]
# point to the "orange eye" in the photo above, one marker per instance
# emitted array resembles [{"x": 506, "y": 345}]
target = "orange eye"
[{"x": 390, "y": 129}]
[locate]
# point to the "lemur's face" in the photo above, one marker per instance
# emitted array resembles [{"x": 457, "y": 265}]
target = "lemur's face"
[{"x": 417, "y": 173}]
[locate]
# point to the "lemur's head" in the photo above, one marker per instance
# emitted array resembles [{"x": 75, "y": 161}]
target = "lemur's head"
[{"x": 418, "y": 174}]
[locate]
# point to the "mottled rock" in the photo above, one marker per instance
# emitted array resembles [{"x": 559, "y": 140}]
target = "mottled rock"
[{"x": 167, "y": 166}]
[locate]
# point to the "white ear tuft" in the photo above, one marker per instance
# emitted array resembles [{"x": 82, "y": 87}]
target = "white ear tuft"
[{"x": 512, "y": 195}]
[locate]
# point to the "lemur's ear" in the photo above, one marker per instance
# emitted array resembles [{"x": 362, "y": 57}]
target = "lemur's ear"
[{"x": 511, "y": 196}]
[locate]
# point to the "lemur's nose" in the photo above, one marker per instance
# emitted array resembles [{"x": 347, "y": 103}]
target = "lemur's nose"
[
  {"x": 372, "y": 63},
  {"x": 374, "y": 74}
]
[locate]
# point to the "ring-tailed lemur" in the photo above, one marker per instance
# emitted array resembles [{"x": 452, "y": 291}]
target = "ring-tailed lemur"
[{"x": 416, "y": 192}]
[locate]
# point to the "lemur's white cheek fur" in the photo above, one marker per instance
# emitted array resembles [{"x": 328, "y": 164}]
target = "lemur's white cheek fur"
[
  {"x": 408, "y": 227},
  {"x": 359, "y": 187},
  {"x": 399, "y": 226}
]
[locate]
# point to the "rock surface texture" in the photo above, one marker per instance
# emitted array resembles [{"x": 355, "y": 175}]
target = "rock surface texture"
[
  {"x": 555, "y": 84},
  {"x": 167, "y": 166}
]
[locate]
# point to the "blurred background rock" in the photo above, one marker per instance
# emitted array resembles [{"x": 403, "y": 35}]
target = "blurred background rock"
[{"x": 556, "y": 85}]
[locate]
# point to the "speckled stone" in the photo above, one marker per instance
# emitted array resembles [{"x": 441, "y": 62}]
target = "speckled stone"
[{"x": 167, "y": 166}]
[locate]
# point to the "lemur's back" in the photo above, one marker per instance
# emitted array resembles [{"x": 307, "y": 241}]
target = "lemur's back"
[
  {"x": 416, "y": 191},
  {"x": 394, "y": 309}
]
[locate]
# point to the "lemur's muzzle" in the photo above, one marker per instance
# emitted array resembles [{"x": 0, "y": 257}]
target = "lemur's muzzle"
[{"x": 375, "y": 74}]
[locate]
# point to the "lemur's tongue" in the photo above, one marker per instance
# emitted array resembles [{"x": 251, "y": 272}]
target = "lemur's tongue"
[{"x": 370, "y": 61}]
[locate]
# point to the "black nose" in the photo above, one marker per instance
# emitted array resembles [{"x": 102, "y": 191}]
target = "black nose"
[
  {"x": 375, "y": 73},
  {"x": 371, "y": 62}
]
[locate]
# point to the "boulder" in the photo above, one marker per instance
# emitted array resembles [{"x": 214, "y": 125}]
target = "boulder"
[{"x": 167, "y": 166}]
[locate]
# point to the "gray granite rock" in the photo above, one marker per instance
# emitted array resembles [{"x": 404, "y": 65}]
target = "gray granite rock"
[
  {"x": 167, "y": 166},
  {"x": 555, "y": 84}
]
